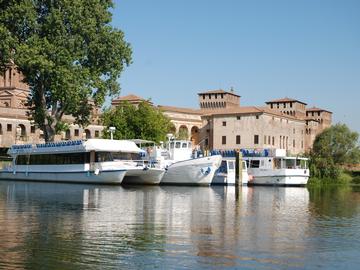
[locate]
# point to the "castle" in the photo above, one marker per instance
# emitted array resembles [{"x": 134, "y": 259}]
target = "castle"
[{"x": 220, "y": 122}]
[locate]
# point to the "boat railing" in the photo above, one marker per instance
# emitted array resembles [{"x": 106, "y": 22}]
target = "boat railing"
[{"x": 141, "y": 163}]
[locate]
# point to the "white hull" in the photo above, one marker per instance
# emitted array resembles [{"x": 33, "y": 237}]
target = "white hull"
[
  {"x": 149, "y": 176},
  {"x": 198, "y": 171},
  {"x": 229, "y": 179},
  {"x": 286, "y": 177},
  {"x": 104, "y": 177},
  {"x": 102, "y": 173}
]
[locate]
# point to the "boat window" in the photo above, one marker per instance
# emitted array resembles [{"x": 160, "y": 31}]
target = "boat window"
[
  {"x": 184, "y": 145},
  {"x": 277, "y": 163},
  {"x": 103, "y": 156},
  {"x": 254, "y": 163},
  {"x": 126, "y": 156},
  {"x": 262, "y": 163},
  {"x": 290, "y": 163},
  {"x": 301, "y": 164},
  {"x": 244, "y": 165},
  {"x": 54, "y": 159},
  {"x": 223, "y": 168},
  {"x": 178, "y": 144},
  {"x": 247, "y": 164},
  {"x": 231, "y": 165},
  {"x": 172, "y": 145},
  {"x": 190, "y": 144},
  {"x": 22, "y": 160}
]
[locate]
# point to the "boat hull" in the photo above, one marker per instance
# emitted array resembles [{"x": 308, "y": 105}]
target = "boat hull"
[
  {"x": 141, "y": 176},
  {"x": 229, "y": 179},
  {"x": 199, "y": 171},
  {"x": 103, "y": 177},
  {"x": 280, "y": 178}
]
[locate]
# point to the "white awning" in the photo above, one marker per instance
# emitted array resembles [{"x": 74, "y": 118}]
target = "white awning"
[{"x": 111, "y": 146}]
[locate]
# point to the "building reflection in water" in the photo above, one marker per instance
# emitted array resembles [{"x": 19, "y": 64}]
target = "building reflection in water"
[{"x": 71, "y": 226}]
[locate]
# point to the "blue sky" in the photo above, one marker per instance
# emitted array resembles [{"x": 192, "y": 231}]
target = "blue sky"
[{"x": 303, "y": 49}]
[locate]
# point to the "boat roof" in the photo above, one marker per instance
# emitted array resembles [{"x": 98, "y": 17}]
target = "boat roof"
[
  {"x": 141, "y": 141},
  {"x": 270, "y": 157},
  {"x": 98, "y": 145}
]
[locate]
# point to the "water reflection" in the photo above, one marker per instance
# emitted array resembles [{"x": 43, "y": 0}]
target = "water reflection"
[{"x": 104, "y": 227}]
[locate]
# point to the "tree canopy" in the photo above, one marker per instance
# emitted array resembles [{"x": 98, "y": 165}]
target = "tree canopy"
[
  {"x": 142, "y": 122},
  {"x": 335, "y": 146},
  {"x": 68, "y": 53}
]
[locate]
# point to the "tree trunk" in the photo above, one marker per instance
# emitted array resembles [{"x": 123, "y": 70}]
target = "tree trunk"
[{"x": 49, "y": 133}]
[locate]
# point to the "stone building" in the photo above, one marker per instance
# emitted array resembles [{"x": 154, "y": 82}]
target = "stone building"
[
  {"x": 221, "y": 123},
  {"x": 15, "y": 127}
]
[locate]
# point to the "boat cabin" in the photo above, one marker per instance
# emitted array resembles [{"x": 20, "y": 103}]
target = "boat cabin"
[{"x": 272, "y": 163}]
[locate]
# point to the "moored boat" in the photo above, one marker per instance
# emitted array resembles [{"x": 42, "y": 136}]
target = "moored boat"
[
  {"x": 88, "y": 161},
  {"x": 277, "y": 169},
  {"x": 182, "y": 167},
  {"x": 226, "y": 174}
]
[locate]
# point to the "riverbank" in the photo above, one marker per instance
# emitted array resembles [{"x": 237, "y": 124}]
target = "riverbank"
[{"x": 345, "y": 178}]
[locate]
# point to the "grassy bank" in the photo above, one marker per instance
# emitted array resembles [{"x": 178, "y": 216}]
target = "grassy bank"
[{"x": 345, "y": 178}]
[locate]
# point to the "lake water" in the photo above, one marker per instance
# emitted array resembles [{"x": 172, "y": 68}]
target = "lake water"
[{"x": 71, "y": 226}]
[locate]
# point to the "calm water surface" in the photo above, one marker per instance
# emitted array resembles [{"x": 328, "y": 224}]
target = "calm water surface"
[{"x": 64, "y": 226}]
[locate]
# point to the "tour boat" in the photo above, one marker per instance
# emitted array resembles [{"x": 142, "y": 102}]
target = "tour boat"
[
  {"x": 88, "y": 161},
  {"x": 182, "y": 167},
  {"x": 226, "y": 175},
  {"x": 277, "y": 169}
]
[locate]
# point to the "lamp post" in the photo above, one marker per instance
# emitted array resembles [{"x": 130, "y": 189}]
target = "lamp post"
[{"x": 112, "y": 130}]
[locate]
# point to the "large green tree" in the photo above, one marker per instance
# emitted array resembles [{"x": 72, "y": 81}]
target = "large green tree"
[
  {"x": 334, "y": 147},
  {"x": 68, "y": 52},
  {"x": 142, "y": 122}
]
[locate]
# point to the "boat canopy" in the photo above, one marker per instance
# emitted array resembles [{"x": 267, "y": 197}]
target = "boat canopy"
[{"x": 98, "y": 145}]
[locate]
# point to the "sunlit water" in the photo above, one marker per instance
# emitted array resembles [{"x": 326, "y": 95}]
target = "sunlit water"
[{"x": 64, "y": 226}]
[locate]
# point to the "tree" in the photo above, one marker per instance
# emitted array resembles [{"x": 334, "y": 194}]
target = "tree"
[
  {"x": 335, "y": 146},
  {"x": 144, "y": 122},
  {"x": 68, "y": 53}
]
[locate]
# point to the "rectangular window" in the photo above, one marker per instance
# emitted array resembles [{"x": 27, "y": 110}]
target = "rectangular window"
[
  {"x": 294, "y": 131},
  {"x": 76, "y": 133},
  {"x": 223, "y": 139},
  {"x": 269, "y": 138},
  {"x": 238, "y": 117},
  {"x": 97, "y": 134},
  {"x": 32, "y": 129},
  {"x": 272, "y": 106},
  {"x": 265, "y": 139},
  {"x": 238, "y": 139},
  {"x": 294, "y": 143},
  {"x": 224, "y": 123},
  {"x": 257, "y": 117},
  {"x": 9, "y": 127},
  {"x": 273, "y": 140},
  {"x": 256, "y": 139}
]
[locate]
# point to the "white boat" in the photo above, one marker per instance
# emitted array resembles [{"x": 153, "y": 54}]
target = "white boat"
[
  {"x": 88, "y": 161},
  {"x": 278, "y": 169},
  {"x": 181, "y": 166},
  {"x": 226, "y": 174},
  {"x": 142, "y": 172}
]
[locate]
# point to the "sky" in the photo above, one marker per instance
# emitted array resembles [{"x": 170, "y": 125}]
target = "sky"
[{"x": 303, "y": 49}]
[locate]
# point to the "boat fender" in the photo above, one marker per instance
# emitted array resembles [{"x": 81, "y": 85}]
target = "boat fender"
[
  {"x": 97, "y": 171},
  {"x": 206, "y": 170}
]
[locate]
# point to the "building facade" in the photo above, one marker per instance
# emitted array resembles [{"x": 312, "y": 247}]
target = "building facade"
[
  {"x": 221, "y": 123},
  {"x": 15, "y": 126}
]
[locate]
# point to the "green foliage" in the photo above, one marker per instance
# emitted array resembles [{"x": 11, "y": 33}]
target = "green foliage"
[
  {"x": 144, "y": 122},
  {"x": 68, "y": 52},
  {"x": 332, "y": 148},
  {"x": 183, "y": 134},
  {"x": 342, "y": 179}
]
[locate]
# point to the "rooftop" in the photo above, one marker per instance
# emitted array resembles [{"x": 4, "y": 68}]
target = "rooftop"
[
  {"x": 219, "y": 91},
  {"x": 315, "y": 109},
  {"x": 179, "y": 109},
  {"x": 286, "y": 99}
]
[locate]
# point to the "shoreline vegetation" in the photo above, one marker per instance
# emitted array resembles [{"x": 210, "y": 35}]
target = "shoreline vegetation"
[{"x": 335, "y": 157}]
